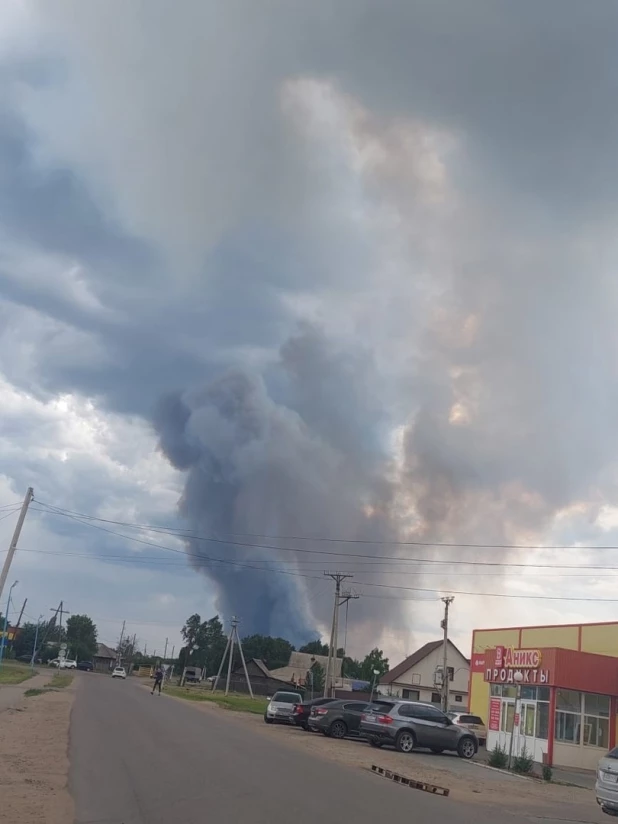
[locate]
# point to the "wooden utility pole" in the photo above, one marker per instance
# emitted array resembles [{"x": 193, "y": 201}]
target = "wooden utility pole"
[{"x": 13, "y": 545}]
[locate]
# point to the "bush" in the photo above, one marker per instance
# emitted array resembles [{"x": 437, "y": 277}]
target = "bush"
[
  {"x": 547, "y": 772},
  {"x": 523, "y": 763},
  {"x": 498, "y": 757}
]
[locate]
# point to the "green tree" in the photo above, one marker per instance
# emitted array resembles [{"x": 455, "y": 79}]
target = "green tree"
[
  {"x": 374, "y": 660},
  {"x": 275, "y": 652},
  {"x": 205, "y": 643},
  {"x": 318, "y": 678},
  {"x": 315, "y": 648},
  {"x": 81, "y": 637},
  {"x": 24, "y": 642}
]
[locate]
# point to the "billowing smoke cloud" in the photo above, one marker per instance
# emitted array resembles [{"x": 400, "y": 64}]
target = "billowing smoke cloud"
[
  {"x": 180, "y": 205},
  {"x": 310, "y": 466}
]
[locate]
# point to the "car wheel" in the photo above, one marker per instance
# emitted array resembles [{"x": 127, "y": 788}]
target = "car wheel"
[
  {"x": 437, "y": 750},
  {"x": 609, "y": 811},
  {"x": 267, "y": 719},
  {"x": 466, "y": 748},
  {"x": 405, "y": 741},
  {"x": 373, "y": 742},
  {"x": 338, "y": 729}
]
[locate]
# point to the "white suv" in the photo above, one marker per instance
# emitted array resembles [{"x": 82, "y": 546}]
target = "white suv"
[
  {"x": 119, "y": 672},
  {"x": 67, "y": 664}
]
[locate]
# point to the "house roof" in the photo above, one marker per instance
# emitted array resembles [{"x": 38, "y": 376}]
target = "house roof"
[
  {"x": 407, "y": 664},
  {"x": 104, "y": 651}
]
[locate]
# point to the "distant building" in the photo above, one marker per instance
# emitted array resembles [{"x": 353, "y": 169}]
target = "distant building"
[
  {"x": 263, "y": 681},
  {"x": 105, "y": 658},
  {"x": 417, "y": 678},
  {"x": 300, "y": 664}
]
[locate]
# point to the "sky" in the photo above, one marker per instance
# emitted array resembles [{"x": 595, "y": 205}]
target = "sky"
[{"x": 293, "y": 279}]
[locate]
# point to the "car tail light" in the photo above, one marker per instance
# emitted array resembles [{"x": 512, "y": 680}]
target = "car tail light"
[
  {"x": 296, "y": 710},
  {"x": 320, "y": 711},
  {"x": 385, "y": 719},
  {"x": 363, "y": 716}
]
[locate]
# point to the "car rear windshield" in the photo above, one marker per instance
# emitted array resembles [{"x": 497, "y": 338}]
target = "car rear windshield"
[
  {"x": 380, "y": 706},
  {"x": 613, "y": 753},
  {"x": 287, "y": 697}
]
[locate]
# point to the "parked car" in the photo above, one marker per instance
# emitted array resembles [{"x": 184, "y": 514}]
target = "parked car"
[
  {"x": 281, "y": 706},
  {"x": 85, "y": 666},
  {"x": 119, "y": 672},
  {"x": 606, "y": 787},
  {"x": 301, "y": 712},
  {"x": 470, "y": 722},
  {"x": 67, "y": 663},
  {"x": 54, "y": 662},
  {"x": 338, "y": 718},
  {"x": 407, "y": 725}
]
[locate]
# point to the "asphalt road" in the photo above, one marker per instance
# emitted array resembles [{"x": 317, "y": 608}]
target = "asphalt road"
[{"x": 143, "y": 759}]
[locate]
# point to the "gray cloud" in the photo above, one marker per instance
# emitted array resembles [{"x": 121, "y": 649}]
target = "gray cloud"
[{"x": 432, "y": 185}]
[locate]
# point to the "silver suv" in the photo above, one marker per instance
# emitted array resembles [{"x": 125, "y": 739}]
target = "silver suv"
[{"x": 409, "y": 724}]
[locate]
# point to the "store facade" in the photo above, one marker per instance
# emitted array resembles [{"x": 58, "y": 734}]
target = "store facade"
[{"x": 555, "y": 689}]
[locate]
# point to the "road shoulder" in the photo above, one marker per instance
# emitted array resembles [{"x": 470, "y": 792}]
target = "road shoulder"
[{"x": 34, "y": 762}]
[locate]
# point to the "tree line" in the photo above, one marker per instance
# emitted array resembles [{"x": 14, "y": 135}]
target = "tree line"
[
  {"x": 79, "y": 634},
  {"x": 205, "y": 643}
]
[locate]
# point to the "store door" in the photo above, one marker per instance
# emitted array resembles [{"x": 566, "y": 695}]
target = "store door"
[{"x": 528, "y": 715}]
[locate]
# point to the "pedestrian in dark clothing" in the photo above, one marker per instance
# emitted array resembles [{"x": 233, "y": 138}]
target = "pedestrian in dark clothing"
[{"x": 158, "y": 680}]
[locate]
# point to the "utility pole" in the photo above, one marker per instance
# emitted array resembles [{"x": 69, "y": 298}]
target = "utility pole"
[
  {"x": 445, "y": 682},
  {"x": 234, "y": 638},
  {"x": 36, "y": 638},
  {"x": 165, "y": 651},
  {"x": 13, "y": 545},
  {"x": 331, "y": 667},
  {"x": 119, "y": 654}
]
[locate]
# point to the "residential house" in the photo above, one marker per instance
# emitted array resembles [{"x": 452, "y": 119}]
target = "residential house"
[
  {"x": 105, "y": 658},
  {"x": 263, "y": 681},
  {"x": 300, "y": 665},
  {"x": 417, "y": 678}
]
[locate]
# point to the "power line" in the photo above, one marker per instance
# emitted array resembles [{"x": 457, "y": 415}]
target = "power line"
[
  {"x": 364, "y": 583},
  {"x": 382, "y": 558},
  {"x": 148, "y": 560},
  {"x": 320, "y": 539}
]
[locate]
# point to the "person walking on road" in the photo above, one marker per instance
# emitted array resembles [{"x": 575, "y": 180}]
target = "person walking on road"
[{"x": 158, "y": 679}]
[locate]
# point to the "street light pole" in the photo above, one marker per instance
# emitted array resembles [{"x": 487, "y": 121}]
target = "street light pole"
[
  {"x": 376, "y": 672},
  {"x": 518, "y": 678}
]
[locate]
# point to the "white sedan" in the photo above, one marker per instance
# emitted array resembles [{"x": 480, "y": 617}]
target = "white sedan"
[{"x": 119, "y": 672}]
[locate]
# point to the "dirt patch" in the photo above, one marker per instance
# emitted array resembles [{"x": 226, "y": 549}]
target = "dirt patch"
[
  {"x": 468, "y": 783},
  {"x": 34, "y": 760}
]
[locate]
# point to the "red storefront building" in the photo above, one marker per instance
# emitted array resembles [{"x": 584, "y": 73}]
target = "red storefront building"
[{"x": 560, "y": 701}]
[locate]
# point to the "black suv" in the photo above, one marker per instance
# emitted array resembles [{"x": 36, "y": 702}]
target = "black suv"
[{"x": 85, "y": 666}]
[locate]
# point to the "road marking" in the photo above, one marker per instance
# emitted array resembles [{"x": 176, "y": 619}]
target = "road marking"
[{"x": 410, "y": 782}]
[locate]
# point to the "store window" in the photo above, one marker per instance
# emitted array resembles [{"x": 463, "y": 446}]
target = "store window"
[
  {"x": 495, "y": 690},
  {"x": 568, "y": 716},
  {"x": 582, "y": 718},
  {"x": 507, "y": 712},
  {"x": 596, "y": 721}
]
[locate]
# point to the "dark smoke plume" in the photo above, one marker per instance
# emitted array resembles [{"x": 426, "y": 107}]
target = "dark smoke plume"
[{"x": 311, "y": 466}]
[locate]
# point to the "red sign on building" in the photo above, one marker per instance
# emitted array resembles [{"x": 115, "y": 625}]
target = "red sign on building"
[{"x": 494, "y": 714}]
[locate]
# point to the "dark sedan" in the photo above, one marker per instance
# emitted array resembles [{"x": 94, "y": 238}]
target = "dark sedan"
[
  {"x": 85, "y": 666},
  {"x": 301, "y": 712},
  {"x": 338, "y": 719}
]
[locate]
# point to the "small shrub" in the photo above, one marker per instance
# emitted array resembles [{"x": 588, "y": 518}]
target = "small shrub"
[
  {"x": 523, "y": 763},
  {"x": 547, "y": 772},
  {"x": 498, "y": 757}
]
